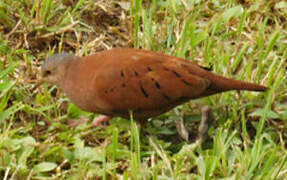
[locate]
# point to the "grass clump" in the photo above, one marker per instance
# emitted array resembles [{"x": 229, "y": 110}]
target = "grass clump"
[{"x": 245, "y": 40}]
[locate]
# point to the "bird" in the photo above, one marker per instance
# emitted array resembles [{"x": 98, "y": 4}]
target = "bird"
[{"x": 118, "y": 81}]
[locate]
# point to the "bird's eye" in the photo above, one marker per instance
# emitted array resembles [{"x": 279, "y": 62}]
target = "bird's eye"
[{"x": 47, "y": 73}]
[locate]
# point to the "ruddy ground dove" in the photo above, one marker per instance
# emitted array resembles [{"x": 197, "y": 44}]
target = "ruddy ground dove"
[{"x": 113, "y": 82}]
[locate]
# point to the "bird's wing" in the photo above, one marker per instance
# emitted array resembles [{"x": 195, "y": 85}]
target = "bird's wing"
[{"x": 144, "y": 81}]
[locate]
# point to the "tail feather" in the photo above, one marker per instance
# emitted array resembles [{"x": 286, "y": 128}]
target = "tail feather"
[
  {"x": 220, "y": 84},
  {"x": 242, "y": 85}
]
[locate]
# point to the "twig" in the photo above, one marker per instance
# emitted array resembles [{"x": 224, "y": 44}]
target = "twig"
[
  {"x": 14, "y": 29},
  {"x": 60, "y": 31}
]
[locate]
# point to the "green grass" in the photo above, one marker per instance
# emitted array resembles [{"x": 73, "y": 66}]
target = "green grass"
[{"x": 243, "y": 41}]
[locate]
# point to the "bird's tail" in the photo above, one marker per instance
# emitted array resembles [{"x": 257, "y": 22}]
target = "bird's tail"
[
  {"x": 232, "y": 84},
  {"x": 220, "y": 84}
]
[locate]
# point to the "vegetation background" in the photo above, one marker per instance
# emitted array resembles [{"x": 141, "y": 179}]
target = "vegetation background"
[{"x": 242, "y": 39}]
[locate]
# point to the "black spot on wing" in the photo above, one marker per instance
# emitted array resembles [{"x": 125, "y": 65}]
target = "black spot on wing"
[
  {"x": 136, "y": 73},
  {"x": 185, "y": 82},
  {"x": 122, "y": 74},
  {"x": 149, "y": 68},
  {"x": 179, "y": 76},
  {"x": 157, "y": 85},
  {"x": 176, "y": 73},
  {"x": 143, "y": 91}
]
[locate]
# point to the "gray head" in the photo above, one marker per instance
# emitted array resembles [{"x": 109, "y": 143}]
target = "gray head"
[{"x": 55, "y": 67}]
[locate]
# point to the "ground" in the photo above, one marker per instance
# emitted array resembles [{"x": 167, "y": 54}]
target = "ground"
[{"x": 245, "y": 40}]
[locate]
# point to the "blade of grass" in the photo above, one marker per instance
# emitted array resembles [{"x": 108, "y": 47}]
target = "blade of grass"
[
  {"x": 136, "y": 157},
  {"x": 262, "y": 58},
  {"x": 136, "y": 22},
  {"x": 115, "y": 148},
  {"x": 269, "y": 102},
  {"x": 241, "y": 25},
  {"x": 239, "y": 58},
  {"x": 105, "y": 164}
]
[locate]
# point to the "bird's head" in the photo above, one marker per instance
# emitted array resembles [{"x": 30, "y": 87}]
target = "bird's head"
[{"x": 55, "y": 67}]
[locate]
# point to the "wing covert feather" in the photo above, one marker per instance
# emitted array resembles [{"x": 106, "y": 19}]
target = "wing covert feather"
[{"x": 145, "y": 82}]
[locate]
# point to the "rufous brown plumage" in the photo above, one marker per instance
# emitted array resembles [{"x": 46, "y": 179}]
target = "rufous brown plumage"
[{"x": 148, "y": 83}]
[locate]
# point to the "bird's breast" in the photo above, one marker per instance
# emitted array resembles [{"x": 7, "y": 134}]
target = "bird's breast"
[{"x": 81, "y": 90}]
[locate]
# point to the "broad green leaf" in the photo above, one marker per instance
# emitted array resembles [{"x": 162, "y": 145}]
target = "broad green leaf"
[
  {"x": 44, "y": 167},
  {"x": 10, "y": 111},
  {"x": 270, "y": 114},
  {"x": 232, "y": 13}
]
